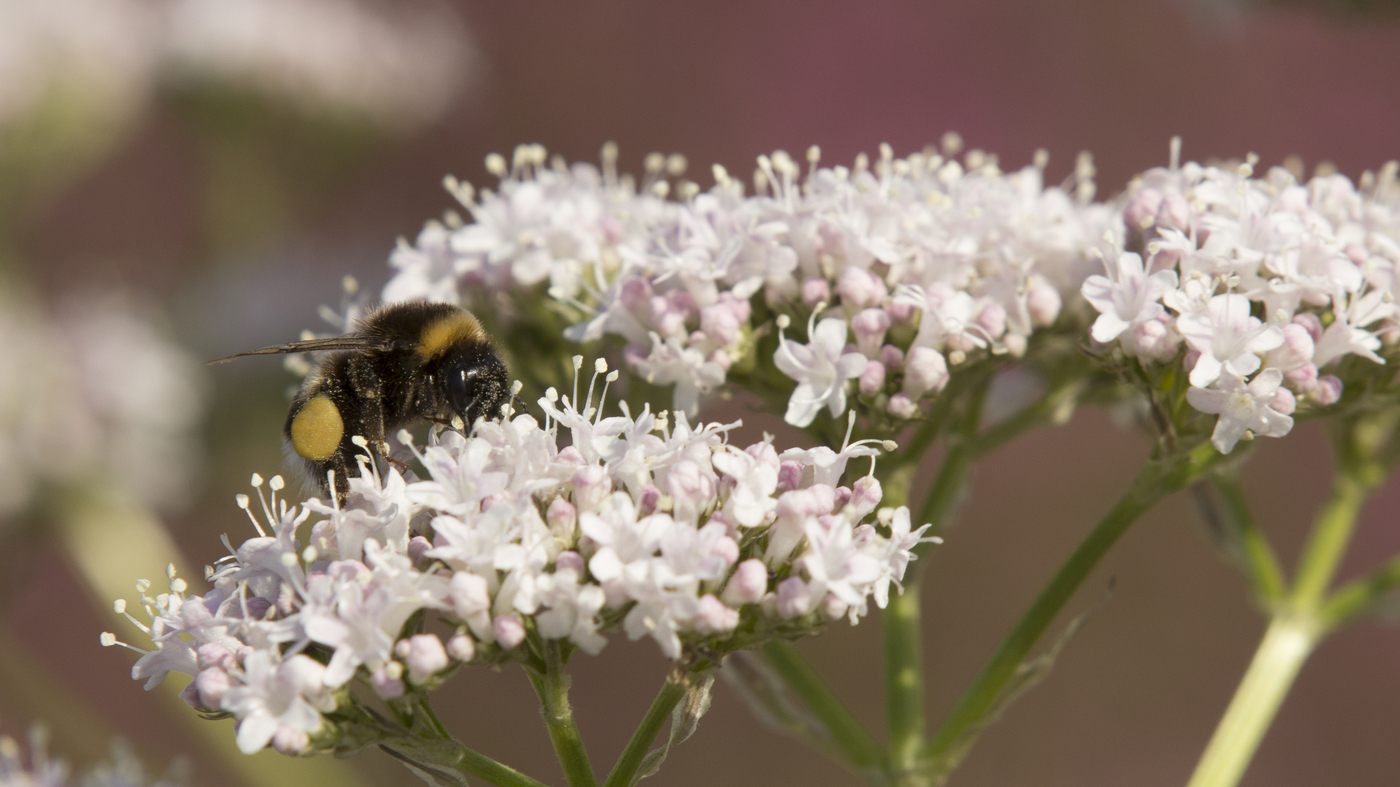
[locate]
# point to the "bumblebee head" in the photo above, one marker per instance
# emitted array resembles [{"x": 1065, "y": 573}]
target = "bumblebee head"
[{"x": 477, "y": 383}]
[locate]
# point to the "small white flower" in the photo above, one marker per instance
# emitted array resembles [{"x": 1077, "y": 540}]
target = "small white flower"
[
  {"x": 821, "y": 370},
  {"x": 1243, "y": 408},
  {"x": 1228, "y": 338},
  {"x": 1126, "y": 298}
]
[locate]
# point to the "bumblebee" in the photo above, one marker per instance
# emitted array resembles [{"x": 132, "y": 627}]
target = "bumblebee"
[{"x": 406, "y": 363}]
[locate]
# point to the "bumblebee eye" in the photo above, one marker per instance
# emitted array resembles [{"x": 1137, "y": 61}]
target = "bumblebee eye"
[{"x": 465, "y": 385}]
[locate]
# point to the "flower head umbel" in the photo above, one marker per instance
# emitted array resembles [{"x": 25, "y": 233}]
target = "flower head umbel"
[{"x": 640, "y": 525}]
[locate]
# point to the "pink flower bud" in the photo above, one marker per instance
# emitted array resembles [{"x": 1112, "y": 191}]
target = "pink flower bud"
[
  {"x": 1328, "y": 390},
  {"x": 1303, "y": 379},
  {"x": 924, "y": 370},
  {"x": 646, "y": 502},
  {"x": 1284, "y": 402},
  {"x": 1153, "y": 340},
  {"x": 859, "y": 288},
  {"x": 257, "y": 608},
  {"x": 569, "y": 560},
  {"x": 833, "y": 608},
  {"x": 794, "y": 598},
  {"x": 418, "y": 547},
  {"x": 461, "y": 647},
  {"x": 570, "y": 455},
  {"x": 872, "y": 380},
  {"x": 211, "y": 684},
  {"x": 900, "y": 313},
  {"x": 1296, "y": 350},
  {"x": 385, "y": 684},
  {"x": 713, "y": 617},
  {"x": 683, "y": 302},
  {"x": 290, "y": 740},
  {"x": 789, "y": 476},
  {"x": 843, "y": 496},
  {"x": 425, "y": 657},
  {"x": 691, "y": 489},
  {"x": 636, "y": 295},
  {"x": 510, "y": 631},
  {"x": 212, "y": 654},
  {"x": 869, "y": 327},
  {"x": 1174, "y": 212},
  {"x": 1142, "y": 207},
  {"x": 469, "y": 594},
  {"x": 1310, "y": 321},
  {"x": 865, "y": 495},
  {"x": 720, "y": 323},
  {"x": 1042, "y": 302},
  {"x": 892, "y": 357},
  {"x": 663, "y": 315},
  {"x": 741, "y": 308},
  {"x": 562, "y": 518},
  {"x": 815, "y": 291},
  {"x": 901, "y": 406},
  {"x": 748, "y": 583},
  {"x": 592, "y": 485},
  {"x": 992, "y": 318},
  {"x": 190, "y": 694}
]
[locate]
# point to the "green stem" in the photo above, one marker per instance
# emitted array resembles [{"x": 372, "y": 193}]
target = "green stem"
[
  {"x": 1285, "y": 647},
  {"x": 904, "y": 679},
  {"x": 453, "y": 756},
  {"x": 553, "y": 690},
  {"x": 631, "y": 759},
  {"x": 1329, "y": 539},
  {"x": 856, "y": 743},
  {"x": 1156, "y": 480},
  {"x": 1256, "y": 556}
]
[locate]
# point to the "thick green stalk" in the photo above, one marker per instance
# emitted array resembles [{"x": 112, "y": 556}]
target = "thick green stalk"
[
  {"x": 553, "y": 690},
  {"x": 631, "y": 759},
  {"x": 856, "y": 743},
  {"x": 1156, "y": 480},
  {"x": 904, "y": 679},
  {"x": 1285, "y": 647}
]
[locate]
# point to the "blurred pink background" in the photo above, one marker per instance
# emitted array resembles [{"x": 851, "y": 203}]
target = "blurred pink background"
[{"x": 1138, "y": 692}]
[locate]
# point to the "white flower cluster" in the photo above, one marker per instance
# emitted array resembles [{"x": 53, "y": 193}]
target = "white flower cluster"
[
  {"x": 95, "y": 395},
  {"x": 1255, "y": 286},
  {"x": 124, "y": 770},
  {"x": 912, "y": 265},
  {"x": 640, "y": 524}
]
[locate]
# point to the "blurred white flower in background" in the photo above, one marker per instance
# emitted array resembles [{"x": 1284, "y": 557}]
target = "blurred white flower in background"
[
  {"x": 95, "y": 396},
  {"x": 400, "y": 63},
  {"x": 124, "y": 770}
]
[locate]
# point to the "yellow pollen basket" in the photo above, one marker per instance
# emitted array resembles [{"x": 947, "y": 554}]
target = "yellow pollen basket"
[{"x": 317, "y": 429}]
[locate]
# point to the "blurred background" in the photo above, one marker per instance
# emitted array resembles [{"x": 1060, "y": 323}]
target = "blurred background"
[{"x": 184, "y": 179}]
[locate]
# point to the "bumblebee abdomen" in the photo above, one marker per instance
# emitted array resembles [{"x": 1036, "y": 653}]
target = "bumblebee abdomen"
[{"x": 316, "y": 429}]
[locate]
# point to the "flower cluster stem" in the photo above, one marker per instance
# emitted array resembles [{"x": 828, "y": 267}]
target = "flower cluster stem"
[
  {"x": 553, "y": 690},
  {"x": 856, "y": 743},
  {"x": 624, "y": 770},
  {"x": 904, "y": 679}
]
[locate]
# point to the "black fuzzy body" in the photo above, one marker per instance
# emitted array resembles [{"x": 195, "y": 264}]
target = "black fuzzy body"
[{"x": 397, "y": 381}]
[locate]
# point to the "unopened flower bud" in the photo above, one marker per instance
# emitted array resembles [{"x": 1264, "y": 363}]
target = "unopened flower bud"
[
  {"x": 1142, "y": 209},
  {"x": 461, "y": 647},
  {"x": 859, "y": 288},
  {"x": 1303, "y": 379},
  {"x": 214, "y": 654},
  {"x": 794, "y": 598},
  {"x": 719, "y": 322},
  {"x": 1311, "y": 322},
  {"x": 1284, "y": 402},
  {"x": 569, "y": 560},
  {"x": 418, "y": 547},
  {"x": 1296, "y": 350},
  {"x": 843, "y": 496},
  {"x": 425, "y": 657},
  {"x": 924, "y": 370},
  {"x": 1042, "y": 302},
  {"x": 290, "y": 740},
  {"x": 562, "y": 518},
  {"x": 869, "y": 327},
  {"x": 872, "y": 380},
  {"x": 902, "y": 406},
  {"x": 1328, "y": 390},
  {"x": 748, "y": 583},
  {"x": 211, "y": 683},
  {"x": 510, "y": 631},
  {"x": 992, "y": 318},
  {"x": 865, "y": 495},
  {"x": 713, "y": 617},
  {"x": 892, "y": 357},
  {"x": 815, "y": 291},
  {"x": 901, "y": 313},
  {"x": 833, "y": 608},
  {"x": 1174, "y": 212},
  {"x": 789, "y": 476},
  {"x": 646, "y": 503},
  {"x": 592, "y": 485},
  {"x": 386, "y": 684}
]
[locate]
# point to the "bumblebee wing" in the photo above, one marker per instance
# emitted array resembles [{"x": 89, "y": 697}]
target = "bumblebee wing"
[{"x": 347, "y": 342}]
